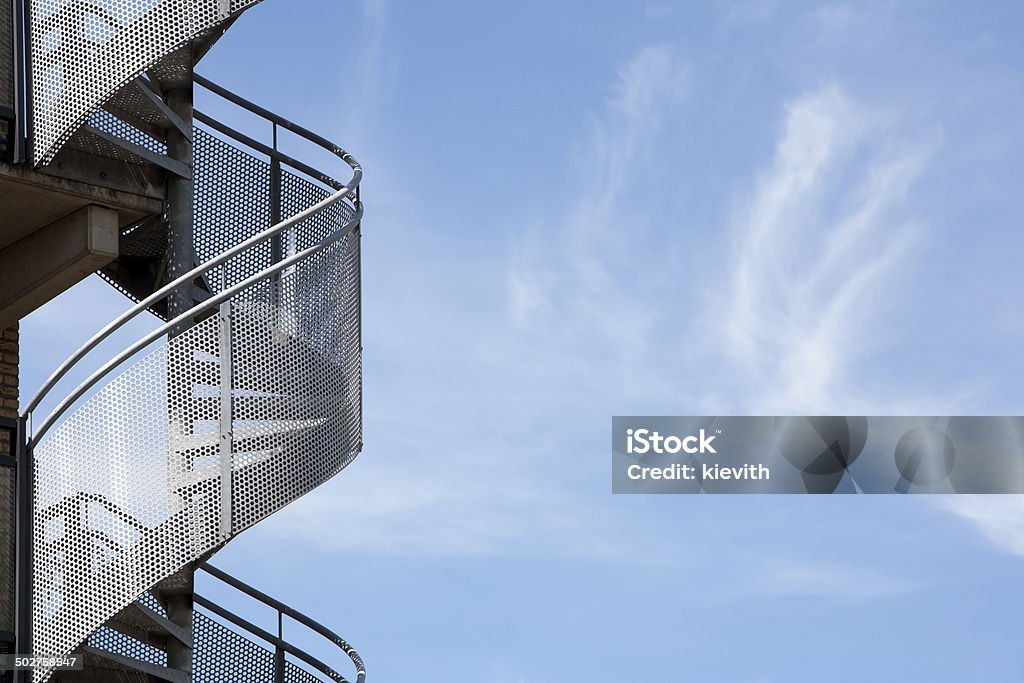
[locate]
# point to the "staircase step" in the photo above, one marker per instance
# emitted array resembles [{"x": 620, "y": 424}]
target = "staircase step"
[
  {"x": 94, "y": 674},
  {"x": 141, "y": 268},
  {"x": 138, "y": 103},
  {"x": 211, "y": 391},
  {"x": 241, "y": 462},
  {"x": 188, "y": 442},
  {"x": 104, "y": 144},
  {"x": 146, "y": 239},
  {"x": 146, "y": 625},
  {"x": 103, "y": 659}
]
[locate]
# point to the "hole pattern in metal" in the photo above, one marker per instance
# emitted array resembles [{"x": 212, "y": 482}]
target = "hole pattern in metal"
[
  {"x": 222, "y": 654},
  {"x": 109, "y": 640},
  {"x": 6, "y": 55},
  {"x": 134, "y": 484},
  {"x": 107, "y": 122},
  {"x": 232, "y": 190},
  {"x": 83, "y": 51},
  {"x": 7, "y": 548}
]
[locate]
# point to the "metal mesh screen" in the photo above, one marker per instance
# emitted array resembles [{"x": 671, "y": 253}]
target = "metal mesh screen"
[
  {"x": 221, "y": 655},
  {"x": 83, "y": 51},
  {"x": 213, "y": 429},
  {"x": 6, "y": 56},
  {"x": 109, "y": 640},
  {"x": 232, "y": 203},
  {"x": 7, "y": 548},
  {"x": 107, "y": 122}
]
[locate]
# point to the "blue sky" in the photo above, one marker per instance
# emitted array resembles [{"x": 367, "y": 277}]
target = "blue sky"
[{"x": 582, "y": 209}]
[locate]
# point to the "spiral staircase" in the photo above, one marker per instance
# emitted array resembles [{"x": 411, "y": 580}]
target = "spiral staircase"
[{"x": 245, "y": 396}]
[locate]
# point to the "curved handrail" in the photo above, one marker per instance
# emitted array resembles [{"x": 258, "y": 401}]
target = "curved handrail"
[
  {"x": 301, "y": 618},
  {"x": 215, "y": 300},
  {"x": 280, "y": 643},
  {"x": 266, "y": 114},
  {"x": 348, "y": 189},
  {"x": 334, "y": 219}
]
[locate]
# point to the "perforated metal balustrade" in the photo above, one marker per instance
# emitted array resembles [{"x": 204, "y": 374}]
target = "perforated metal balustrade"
[
  {"x": 209, "y": 432},
  {"x": 6, "y": 58},
  {"x": 82, "y": 51},
  {"x": 222, "y": 415}
]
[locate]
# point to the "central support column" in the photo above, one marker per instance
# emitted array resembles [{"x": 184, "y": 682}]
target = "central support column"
[
  {"x": 181, "y": 259},
  {"x": 177, "y": 592},
  {"x": 180, "y": 198}
]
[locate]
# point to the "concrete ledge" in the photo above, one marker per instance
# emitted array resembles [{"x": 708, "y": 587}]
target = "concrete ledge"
[
  {"x": 31, "y": 199},
  {"x": 37, "y": 268}
]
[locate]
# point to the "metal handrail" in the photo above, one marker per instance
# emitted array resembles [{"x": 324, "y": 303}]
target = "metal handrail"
[
  {"x": 215, "y": 300},
  {"x": 349, "y": 189},
  {"x": 285, "y": 610},
  {"x": 266, "y": 114}
]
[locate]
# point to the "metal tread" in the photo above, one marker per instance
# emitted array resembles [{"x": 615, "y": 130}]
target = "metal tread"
[
  {"x": 139, "y": 621},
  {"x": 100, "y": 142},
  {"x": 138, "y": 103},
  {"x": 188, "y": 442},
  {"x": 129, "y": 664}
]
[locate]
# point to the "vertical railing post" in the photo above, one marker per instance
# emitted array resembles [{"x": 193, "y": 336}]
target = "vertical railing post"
[
  {"x": 278, "y": 652},
  {"x": 226, "y": 416},
  {"x": 180, "y": 198},
  {"x": 277, "y": 249},
  {"x": 275, "y": 192}
]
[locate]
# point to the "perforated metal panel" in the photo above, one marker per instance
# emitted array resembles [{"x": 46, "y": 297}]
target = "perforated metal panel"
[
  {"x": 109, "y": 640},
  {"x": 7, "y": 548},
  {"x": 6, "y": 56},
  {"x": 108, "y": 123},
  {"x": 214, "y": 429},
  {"x": 221, "y": 655},
  {"x": 82, "y": 52},
  {"x": 232, "y": 203}
]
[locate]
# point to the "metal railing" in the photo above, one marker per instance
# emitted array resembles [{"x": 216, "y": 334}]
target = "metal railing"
[
  {"x": 345, "y": 190},
  {"x": 314, "y": 437},
  {"x": 277, "y": 642}
]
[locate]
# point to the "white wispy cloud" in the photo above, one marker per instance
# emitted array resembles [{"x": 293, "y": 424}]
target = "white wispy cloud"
[
  {"x": 832, "y": 17},
  {"x": 372, "y": 72},
  {"x": 750, "y": 11},
  {"x": 999, "y": 518},
  {"x": 490, "y": 485},
  {"x": 839, "y": 583},
  {"x": 814, "y": 245},
  {"x": 578, "y": 276},
  {"x": 814, "y": 240},
  {"x": 806, "y": 274}
]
